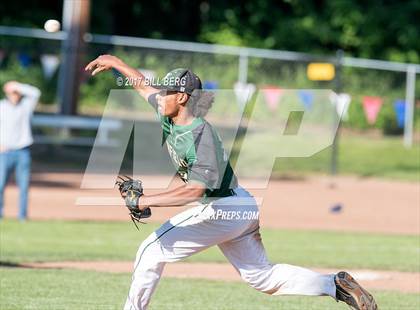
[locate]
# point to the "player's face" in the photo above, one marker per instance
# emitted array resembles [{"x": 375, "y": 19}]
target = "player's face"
[{"x": 169, "y": 102}]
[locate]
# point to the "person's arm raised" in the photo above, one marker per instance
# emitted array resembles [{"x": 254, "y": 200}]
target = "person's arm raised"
[{"x": 108, "y": 62}]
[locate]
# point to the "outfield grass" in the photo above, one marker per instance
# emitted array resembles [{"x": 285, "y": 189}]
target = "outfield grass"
[
  {"x": 358, "y": 154},
  {"x": 383, "y": 157},
  {"x": 72, "y": 289},
  {"x": 84, "y": 241}
]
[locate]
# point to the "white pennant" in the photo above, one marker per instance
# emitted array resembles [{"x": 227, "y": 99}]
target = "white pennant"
[
  {"x": 342, "y": 103},
  {"x": 243, "y": 92},
  {"x": 49, "y": 64}
]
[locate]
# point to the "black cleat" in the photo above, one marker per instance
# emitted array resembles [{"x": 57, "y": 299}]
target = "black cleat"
[{"x": 352, "y": 293}]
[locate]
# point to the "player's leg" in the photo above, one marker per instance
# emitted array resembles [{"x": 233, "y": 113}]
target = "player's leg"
[
  {"x": 248, "y": 256},
  {"x": 23, "y": 172},
  {"x": 185, "y": 234},
  {"x": 5, "y": 169},
  {"x": 151, "y": 258}
]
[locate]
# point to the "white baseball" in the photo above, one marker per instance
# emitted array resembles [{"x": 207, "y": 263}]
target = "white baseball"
[{"x": 52, "y": 25}]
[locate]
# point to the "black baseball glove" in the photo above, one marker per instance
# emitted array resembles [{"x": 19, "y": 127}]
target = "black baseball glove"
[{"x": 131, "y": 190}]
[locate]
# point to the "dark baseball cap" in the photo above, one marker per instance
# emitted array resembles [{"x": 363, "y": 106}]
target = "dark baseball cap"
[{"x": 180, "y": 80}]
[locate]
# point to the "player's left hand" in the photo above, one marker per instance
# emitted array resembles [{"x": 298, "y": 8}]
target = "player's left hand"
[
  {"x": 131, "y": 191},
  {"x": 141, "y": 206}
]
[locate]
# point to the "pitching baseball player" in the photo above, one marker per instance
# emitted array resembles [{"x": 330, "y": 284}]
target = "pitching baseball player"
[{"x": 198, "y": 155}]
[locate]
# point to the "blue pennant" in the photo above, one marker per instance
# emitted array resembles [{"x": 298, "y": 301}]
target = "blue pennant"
[
  {"x": 210, "y": 85},
  {"x": 399, "y": 108},
  {"x": 307, "y": 98},
  {"x": 24, "y": 60}
]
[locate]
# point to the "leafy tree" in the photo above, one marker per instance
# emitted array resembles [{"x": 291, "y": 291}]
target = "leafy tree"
[{"x": 384, "y": 29}]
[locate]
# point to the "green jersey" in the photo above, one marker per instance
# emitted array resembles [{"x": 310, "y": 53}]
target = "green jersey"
[{"x": 197, "y": 152}]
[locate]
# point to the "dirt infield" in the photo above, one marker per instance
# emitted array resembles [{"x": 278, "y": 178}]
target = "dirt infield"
[
  {"x": 368, "y": 205},
  {"x": 372, "y": 279}
]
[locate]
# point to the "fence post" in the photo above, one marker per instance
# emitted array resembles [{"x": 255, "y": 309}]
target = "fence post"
[
  {"x": 409, "y": 106},
  {"x": 338, "y": 90},
  {"x": 243, "y": 66}
]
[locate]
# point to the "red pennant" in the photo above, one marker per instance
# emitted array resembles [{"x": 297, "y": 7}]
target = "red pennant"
[
  {"x": 272, "y": 96},
  {"x": 372, "y": 106}
]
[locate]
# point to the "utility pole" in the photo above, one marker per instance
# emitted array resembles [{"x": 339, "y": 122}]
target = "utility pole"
[{"x": 76, "y": 16}]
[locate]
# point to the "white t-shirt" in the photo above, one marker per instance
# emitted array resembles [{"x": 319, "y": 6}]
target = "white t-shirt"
[{"x": 15, "y": 119}]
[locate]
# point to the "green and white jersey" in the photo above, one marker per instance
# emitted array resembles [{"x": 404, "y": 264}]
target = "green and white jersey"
[{"x": 197, "y": 152}]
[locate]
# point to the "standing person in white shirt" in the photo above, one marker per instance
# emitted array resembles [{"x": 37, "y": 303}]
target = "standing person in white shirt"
[{"x": 15, "y": 138}]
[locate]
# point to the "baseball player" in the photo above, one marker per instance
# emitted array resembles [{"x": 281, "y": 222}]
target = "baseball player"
[{"x": 222, "y": 218}]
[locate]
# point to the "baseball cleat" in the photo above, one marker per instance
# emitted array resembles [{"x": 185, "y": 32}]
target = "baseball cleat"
[{"x": 352, "y": 293}]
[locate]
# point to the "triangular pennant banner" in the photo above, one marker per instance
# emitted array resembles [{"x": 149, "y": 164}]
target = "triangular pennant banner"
[
  {"x": 49, "y": 64},
  {"x": 272, "y": 96},
  {"x": 24, "y": 60},
  {"x": 243, "y": 92},
  {"x": 341, "y": 103},
  {"x": 307, "y": 98},
  {"x": 399, "y": 108},
  {"x": 210, "y": 85},
  {"x": 372, "y": 106}
]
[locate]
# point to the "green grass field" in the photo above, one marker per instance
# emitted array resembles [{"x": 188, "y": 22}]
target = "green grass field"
[
  {"x": 24, "y": 289},
  {"x": 383, "y": 157},
  {"x": 59, "y": 241}
]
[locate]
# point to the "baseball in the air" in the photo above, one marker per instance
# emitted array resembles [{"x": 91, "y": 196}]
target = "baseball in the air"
[{"x": 52, "y": 25}]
